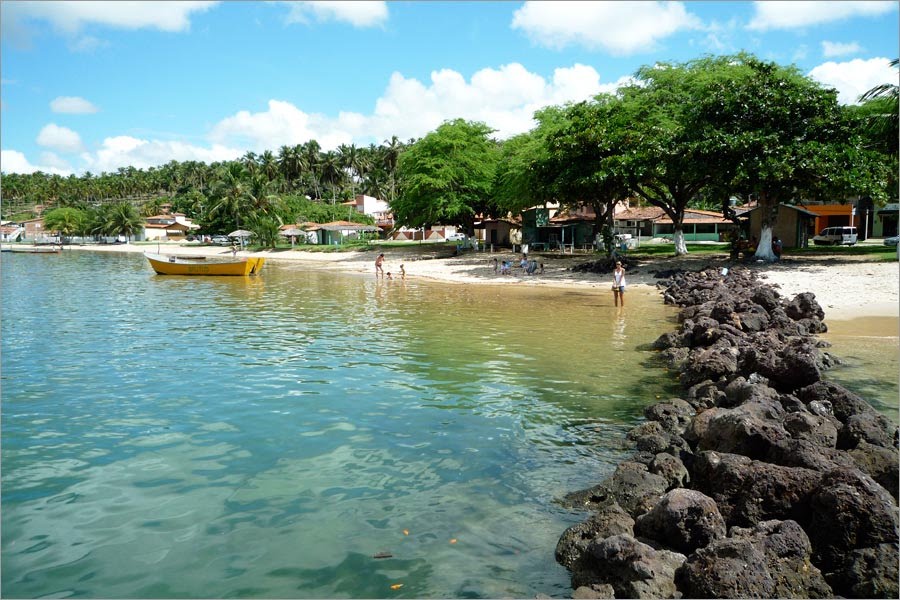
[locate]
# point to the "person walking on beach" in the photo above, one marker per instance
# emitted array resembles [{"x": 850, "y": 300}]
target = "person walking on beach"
[
  {"x": 619, "y": 284},
  {"x": 378, "y": 269}
]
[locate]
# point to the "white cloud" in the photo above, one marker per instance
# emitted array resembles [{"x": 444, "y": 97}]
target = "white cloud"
[
  {"x": 798, "y": 14},
  {"x": 13, "y": 161},
  {"x": 618, "y": 27},
  {"x": 72, "y": 105},
  {"x": 504, "y": 98},
  {"x": 282, "y": 124},
  {"x": 363, "y": 13},
  {"x": 832, "y": 49},
  {"x": 855, "y": 77},
  {"x": 70, "y": 17},
  {"x": 123, "y": 151},
  {"x": 59, "y": 138}
]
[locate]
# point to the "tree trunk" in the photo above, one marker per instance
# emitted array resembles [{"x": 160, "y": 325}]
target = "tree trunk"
[
  {"x": 769, "y": 207},
  {"x": 764, "y": 248},
  {"x": 680, "y": 245}
]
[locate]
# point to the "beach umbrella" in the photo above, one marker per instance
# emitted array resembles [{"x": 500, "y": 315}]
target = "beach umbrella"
[{"x": 240, "y": 233}]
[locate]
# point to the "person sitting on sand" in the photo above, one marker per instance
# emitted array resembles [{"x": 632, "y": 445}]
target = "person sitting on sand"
[{"x": 504, "y": 267}]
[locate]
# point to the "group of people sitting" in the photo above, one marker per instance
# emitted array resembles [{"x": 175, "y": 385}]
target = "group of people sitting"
[{"x": 529, "y": 267}]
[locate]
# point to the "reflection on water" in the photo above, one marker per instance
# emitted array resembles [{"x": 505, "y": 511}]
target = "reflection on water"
[{"x": 267, "y": 437}]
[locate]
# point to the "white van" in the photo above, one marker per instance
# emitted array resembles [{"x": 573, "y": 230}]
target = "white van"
[{"x": 836, "y": 236}]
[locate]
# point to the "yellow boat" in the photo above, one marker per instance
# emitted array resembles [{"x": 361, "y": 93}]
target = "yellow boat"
[{"x": 182, "y": 265}]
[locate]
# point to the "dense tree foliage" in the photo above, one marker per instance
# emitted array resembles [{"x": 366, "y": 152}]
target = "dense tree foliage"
[{"x": 447, "y": 176}]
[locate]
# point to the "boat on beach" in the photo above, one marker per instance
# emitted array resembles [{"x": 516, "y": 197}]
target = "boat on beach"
[
  {"x": 45, "y": 249},
  {"x": 198, "y": 265}
]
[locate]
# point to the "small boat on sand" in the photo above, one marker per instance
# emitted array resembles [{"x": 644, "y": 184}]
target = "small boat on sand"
[
  {"x": 198, "y": 265},
  {"x": 45, "y": 249}
]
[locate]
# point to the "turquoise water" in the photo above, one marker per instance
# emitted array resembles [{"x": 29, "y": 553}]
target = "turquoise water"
[{"x": 267, "y": 437}]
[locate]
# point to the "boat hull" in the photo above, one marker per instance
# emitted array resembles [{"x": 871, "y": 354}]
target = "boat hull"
[
  {"x": 173, "y": 265},
  {"x": 33, "y": 249}
]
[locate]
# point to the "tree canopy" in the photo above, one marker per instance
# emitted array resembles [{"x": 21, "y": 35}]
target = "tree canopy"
[{"x": 447, "y": 176}]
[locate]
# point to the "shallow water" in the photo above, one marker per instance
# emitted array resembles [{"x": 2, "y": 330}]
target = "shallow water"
[
  {"x": 267, "y": 437},
  {"x": 225, "y": 437}
]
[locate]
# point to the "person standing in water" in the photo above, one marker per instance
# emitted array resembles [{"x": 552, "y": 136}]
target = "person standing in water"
[
  {"x": 619, "y": 284},
  {"x": 378, "y": 263}
]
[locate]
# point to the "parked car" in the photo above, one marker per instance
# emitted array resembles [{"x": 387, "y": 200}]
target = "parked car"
[
  {"x": 456, "y": 237},
  {"x": 836, "y": 236},
  {"x": 221, "y": 240},
  {"x": 891, "y": 241}
]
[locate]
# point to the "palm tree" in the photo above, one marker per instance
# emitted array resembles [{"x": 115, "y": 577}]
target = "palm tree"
[
  {"x": 230, "y": 193},
  {"x": 392, "y": 149},
  {"x": 332, "y": 172},
  {"x": 312, "y": 161},
  {"x": 883, "y": 122},
  {"x": 123, "y": 219}
]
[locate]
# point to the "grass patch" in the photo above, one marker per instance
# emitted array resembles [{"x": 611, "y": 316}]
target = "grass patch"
[{"x": 656, "y": 250}]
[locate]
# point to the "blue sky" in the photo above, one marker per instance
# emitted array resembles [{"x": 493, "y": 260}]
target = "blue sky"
[{"x": 95, "y": 86}]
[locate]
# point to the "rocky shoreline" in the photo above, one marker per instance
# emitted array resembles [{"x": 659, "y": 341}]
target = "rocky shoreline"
[{"x": 763, "y": 480}]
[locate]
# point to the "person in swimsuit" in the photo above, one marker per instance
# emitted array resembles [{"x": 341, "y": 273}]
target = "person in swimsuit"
[
  {"x": 619, "y": 284},
  {"x": 378, "y": 263}
]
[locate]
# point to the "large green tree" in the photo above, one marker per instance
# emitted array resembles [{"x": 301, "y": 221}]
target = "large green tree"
[
  {"x": 772, "y": 132},
  {"x": 66, "y": 221},
  {"x": 660, "y": 142},
  {"x": 584, "y": 164},
  {"x": 447, "y": 176},
  {"x": 521, "y": 179}
]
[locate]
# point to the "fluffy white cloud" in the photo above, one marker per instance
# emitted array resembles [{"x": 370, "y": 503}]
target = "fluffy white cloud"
[
  {"x": 797, "y": 14},
  {"x": 59, "y": 138},
  {"x": 70, "y": 17},
  {"x": 618, "y": 27},
  {"x": 123, "y": 151},
  {"x": 504, "y": 98},
  {"x": 72, "y": 105},
  {"x": 282, "y": 124},
  {"x": 855, "y": 77},
  {"x": 13, "y": 161},
  {"x": 362, "y": 13},
  {"x": 832, "y": 49}
]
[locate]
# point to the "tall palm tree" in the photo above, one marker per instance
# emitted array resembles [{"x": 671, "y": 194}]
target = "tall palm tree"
[
  {"x": 230, "y": 193},
  {"x": 312, "y": 160},
  {"x": 332, "y": 172},
  {"x": 392, "y": 149}
]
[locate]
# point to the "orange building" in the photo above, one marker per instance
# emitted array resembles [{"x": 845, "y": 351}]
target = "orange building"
[{"x": 833, "y": 215}]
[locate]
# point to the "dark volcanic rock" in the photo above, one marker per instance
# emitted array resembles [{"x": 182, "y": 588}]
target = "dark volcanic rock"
[
  {"x": 683, "y": 520},
  {"x": 634, "y": 569},
  {"x": 771, "y": 559},
  {"x": 609, "y": 520},
  {"x": 748, "y": 491}
]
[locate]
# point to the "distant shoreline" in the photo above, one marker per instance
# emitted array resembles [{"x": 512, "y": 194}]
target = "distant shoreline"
[{"x": 845, "y": 289}]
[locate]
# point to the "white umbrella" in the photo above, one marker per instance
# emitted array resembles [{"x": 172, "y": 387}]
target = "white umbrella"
[{"x": 241, "y": 233}]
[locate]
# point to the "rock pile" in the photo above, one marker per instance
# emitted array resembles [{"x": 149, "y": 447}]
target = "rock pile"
[{"x": 764, "y": 480}]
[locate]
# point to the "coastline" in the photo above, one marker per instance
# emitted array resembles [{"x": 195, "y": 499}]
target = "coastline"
[{"x": 846, "y": 289}]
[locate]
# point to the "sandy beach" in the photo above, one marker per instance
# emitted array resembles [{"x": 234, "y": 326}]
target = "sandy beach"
[{"x": 847, "y": 287}]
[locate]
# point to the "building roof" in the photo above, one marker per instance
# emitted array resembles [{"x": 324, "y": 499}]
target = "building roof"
[
  {"x": 641, "y": 213},
  {"x": 808, "y": 213}
]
